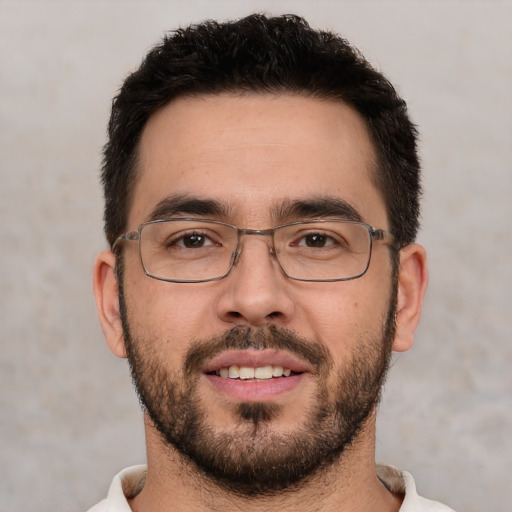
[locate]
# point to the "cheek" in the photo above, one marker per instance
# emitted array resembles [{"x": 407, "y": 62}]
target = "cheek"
[
  {"x": 342, "y": 314},
  {"x": 330, "y": 311},
  {"x": 168, "y": 313}
]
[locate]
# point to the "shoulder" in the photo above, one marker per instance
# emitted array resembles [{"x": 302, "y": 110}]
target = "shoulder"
[
  {"x": 126, "y": 484},
  {"x": 402, "y": 482}
]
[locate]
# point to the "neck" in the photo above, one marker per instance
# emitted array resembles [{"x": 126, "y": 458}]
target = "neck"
[{"x": 351, "y": 483}]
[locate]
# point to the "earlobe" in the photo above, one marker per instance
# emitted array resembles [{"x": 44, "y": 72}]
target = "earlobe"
[
  {"x": 412, "y": 284},
  {"x": 106, "y": 292}
]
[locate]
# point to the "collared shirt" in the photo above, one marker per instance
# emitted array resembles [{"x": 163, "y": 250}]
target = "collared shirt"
[{"x": 129, "y": 482}]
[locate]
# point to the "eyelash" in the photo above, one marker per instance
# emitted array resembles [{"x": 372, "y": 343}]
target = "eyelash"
[{"x": 181, "y": 237}]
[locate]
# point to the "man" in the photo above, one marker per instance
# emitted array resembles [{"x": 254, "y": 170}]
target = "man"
[{"x": 261, "y": 184}]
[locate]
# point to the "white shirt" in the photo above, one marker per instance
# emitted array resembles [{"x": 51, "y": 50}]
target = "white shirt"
[{"x": 130, "y": 481}]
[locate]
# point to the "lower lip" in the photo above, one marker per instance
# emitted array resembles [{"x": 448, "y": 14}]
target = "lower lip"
[{"x": 252, "y": 390}]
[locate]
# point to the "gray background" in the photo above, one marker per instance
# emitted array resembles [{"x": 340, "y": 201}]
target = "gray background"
[{"x": 69, "y": 419}]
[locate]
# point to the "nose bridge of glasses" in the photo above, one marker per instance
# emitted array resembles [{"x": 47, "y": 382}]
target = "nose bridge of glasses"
[
  {"x": 256, "y": 232},
  {"x": 260, "y": 232}
]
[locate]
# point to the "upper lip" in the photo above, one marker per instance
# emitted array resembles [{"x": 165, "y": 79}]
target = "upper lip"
[{"x": 257, "y": 358}]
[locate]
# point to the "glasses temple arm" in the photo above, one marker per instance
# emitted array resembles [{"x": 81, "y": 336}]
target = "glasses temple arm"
[{"x": 131, "y": 236}]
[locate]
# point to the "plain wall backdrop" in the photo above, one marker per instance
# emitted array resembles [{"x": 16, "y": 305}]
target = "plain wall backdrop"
[{"x": 69, "y": 418}]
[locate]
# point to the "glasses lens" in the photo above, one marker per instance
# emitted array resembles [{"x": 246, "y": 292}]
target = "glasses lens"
[
  {"x": 191, "y": 251},
  {"x": 323, "y": 250},
  {"x": 187, "y": 250}
]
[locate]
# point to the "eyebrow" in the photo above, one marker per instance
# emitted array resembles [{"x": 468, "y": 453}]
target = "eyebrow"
[
  {"x": 289, "y": 210},
  {"x": 188, "y": 205},
  {"x": 317, "y": 208}
]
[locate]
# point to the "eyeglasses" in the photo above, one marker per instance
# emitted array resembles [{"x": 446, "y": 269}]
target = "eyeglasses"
[{"x": 198, "y": 250}]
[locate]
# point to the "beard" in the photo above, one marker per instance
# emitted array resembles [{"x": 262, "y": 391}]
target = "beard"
[{"x": 252, "y": 458}]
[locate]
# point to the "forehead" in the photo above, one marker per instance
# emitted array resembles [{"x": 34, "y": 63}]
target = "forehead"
[{"x": 253, "y": 152}]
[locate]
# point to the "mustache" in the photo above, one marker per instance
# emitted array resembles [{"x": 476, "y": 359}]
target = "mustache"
[{"x": 244, "y": 338}]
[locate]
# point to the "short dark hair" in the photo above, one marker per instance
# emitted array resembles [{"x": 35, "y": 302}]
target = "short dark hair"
[{"x": 264, "y": 55}]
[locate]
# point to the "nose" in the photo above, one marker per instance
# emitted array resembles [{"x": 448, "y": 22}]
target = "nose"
[{"x": 256, "y": 292}]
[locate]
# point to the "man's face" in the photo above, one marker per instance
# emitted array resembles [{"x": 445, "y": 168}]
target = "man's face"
[{"x": 257, "y": 157}]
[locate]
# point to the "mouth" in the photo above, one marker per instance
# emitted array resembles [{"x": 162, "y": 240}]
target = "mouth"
[
  {"x": 260, "y": 373},
  {"x": 253, "y": 375}
]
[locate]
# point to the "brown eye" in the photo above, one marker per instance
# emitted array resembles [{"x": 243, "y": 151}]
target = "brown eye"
[
  {"x": 316, "y": 240},
  {"x": 191, "y": 241},
  {"x": 194, "y": 241}
]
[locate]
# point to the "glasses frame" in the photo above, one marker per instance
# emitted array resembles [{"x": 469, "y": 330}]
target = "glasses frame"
[{"x": 373, "y": 233}]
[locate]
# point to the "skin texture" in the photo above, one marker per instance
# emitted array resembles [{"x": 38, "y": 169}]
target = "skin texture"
[{"x": 254, "y": 153}]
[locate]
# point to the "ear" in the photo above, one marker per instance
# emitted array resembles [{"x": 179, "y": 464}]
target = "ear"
[
  {"x": 412, "y": 284},
  {"x": 106, "y": 293}
]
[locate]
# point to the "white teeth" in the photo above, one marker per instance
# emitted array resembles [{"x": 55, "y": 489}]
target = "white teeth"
[
  {"x": 277, "y": 371},
  {"x": 246, "y": 373},
  {"x": 261, "y": 373},
  {"x": 234, "y": 372}
]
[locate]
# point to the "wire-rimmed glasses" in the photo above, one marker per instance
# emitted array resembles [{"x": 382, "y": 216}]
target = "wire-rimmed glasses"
[{"x": 189, "y": 250}]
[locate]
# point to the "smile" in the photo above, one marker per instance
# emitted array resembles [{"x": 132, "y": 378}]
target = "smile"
[
  {"x": 256, "y": 375},
  {"x": 260, "y": 373}
]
